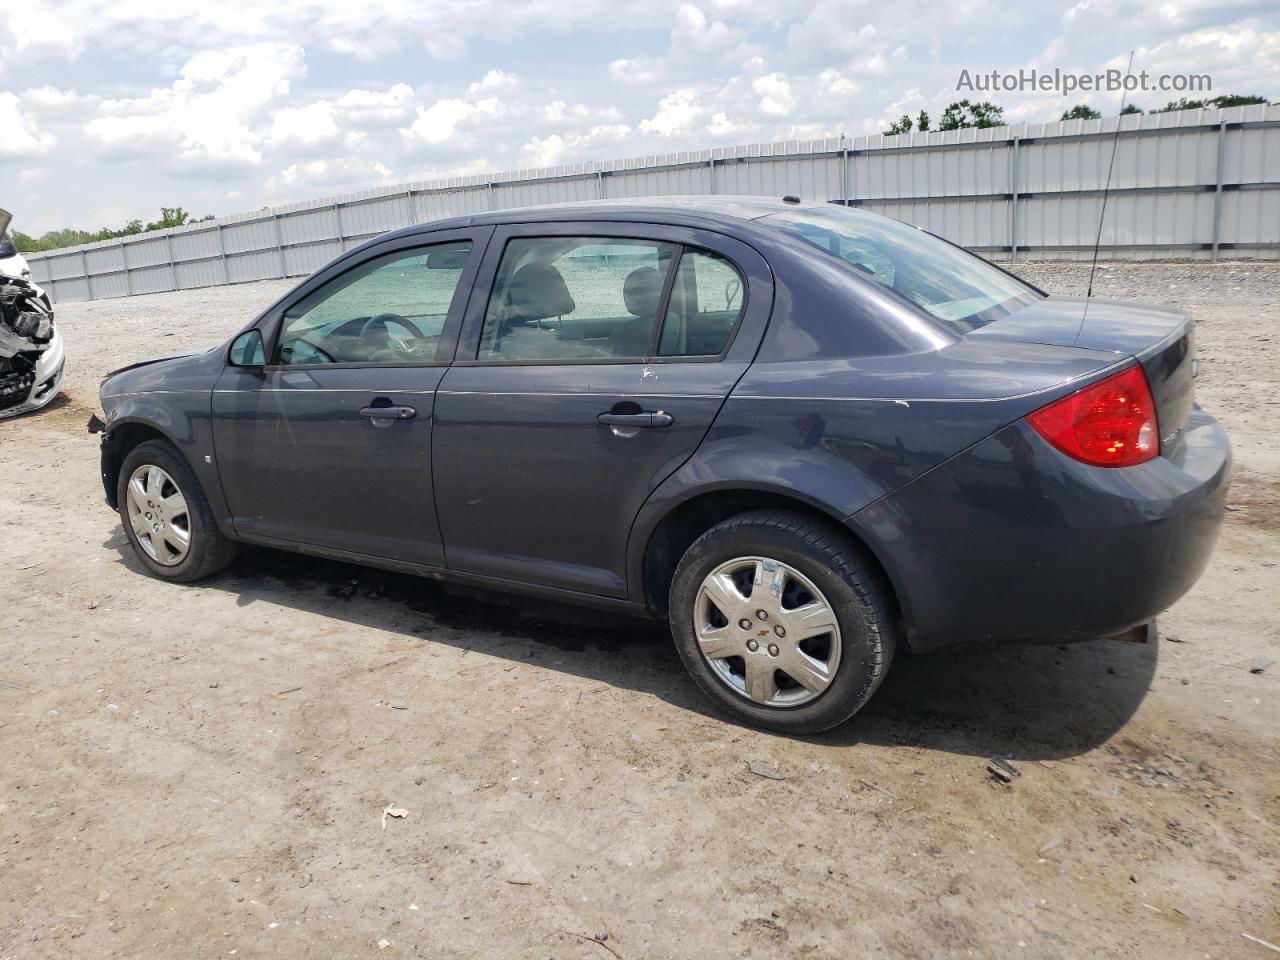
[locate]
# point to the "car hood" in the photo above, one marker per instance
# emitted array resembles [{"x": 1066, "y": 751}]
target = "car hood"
[{"x": 178, "y": 371}]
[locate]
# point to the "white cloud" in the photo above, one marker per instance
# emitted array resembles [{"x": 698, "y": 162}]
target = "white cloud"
[
  {"x": 676, "y": 113},
  {"x": 495, "y": 81},
  {"x": 439, "y": 122},
  {"x": 775, "y": 95},
  {"x": 212, "y": 114},
  {"x": 21, "y": 137},
  {"x": 642, "y": 70},
  {"x": 307, "y": 126}
]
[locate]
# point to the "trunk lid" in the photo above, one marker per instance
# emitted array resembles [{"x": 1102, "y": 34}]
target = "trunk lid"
[{"x": 1161, "y": 338}]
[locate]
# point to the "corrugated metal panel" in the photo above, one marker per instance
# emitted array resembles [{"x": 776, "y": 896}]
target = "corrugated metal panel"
[
  {"x": 1250, "y": 155},
  {"x": 376, "y": 216},
  {"x": 932, "y": 173},
  {"x": 253, "y": 235},
  {"x": 196, "y": 246},
  {"x": 309, "y": 227},
  {"x": 970, "y": 223},
  {"x": 104, "y": 259},
  {"x": 1166, "y": 171},
  {"x": 107, "y": 286},
  {"x": 1255, "y": 215},
  {"x": 146, "y": 253},
  {"x": 199, "y": 273},
  {"x": 66, "y": 266},
  {"x": 72, "y": 290},
  {"x": 263, "y": 265},
  {"x": 300, "y": 261},
  {"x": 151, "y": 279},
  {"x": 451, "y": 203}
]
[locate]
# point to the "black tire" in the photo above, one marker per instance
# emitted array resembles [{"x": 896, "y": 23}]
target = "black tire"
[
  {"x": 209, "y": 550},
  {"x": 839, "y": 568}
]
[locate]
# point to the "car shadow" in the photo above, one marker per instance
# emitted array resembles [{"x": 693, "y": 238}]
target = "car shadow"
[{"x": 1023, "y": 702}]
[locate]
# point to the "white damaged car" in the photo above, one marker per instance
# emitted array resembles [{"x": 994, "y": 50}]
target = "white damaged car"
[{"x": 31, "y": 354}]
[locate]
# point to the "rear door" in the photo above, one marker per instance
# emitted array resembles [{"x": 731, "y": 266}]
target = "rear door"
[
  {"x": 590, "y": 371},
  {"x": 330, "y": 444}
]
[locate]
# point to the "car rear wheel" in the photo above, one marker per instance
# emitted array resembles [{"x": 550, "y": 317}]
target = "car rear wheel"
[
  {"x": 166, "y": 516},
  {"x": 782, "y": 621}
]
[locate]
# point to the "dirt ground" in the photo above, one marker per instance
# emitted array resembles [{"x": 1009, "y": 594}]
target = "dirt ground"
[{"x": 203, "y": 771}]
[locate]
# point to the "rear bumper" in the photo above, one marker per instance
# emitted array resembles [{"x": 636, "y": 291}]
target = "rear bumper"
[{"x": 1014, "y": 541}]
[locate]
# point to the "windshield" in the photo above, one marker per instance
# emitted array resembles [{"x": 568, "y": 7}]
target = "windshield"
[{"x": 950, "y": 284}]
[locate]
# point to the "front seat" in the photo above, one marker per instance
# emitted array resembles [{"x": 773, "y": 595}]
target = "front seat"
[{"x": 537, "y": 292}]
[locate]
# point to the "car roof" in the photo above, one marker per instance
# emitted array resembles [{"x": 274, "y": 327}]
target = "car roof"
[{"x": 711, "y": 211}]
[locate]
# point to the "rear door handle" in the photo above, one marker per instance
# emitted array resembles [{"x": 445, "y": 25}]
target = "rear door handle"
[
  {"x": 644, "y": 420},
  {"x": 388, "y": 413}
]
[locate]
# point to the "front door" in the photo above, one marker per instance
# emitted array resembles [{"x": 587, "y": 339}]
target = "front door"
[
  {"x": 330, "y": 445},
  {"x": 588, "y": 375}
]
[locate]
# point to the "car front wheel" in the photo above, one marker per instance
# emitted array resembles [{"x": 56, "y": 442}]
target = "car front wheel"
[
  {"x": 782, "y": 621},
  {"x": 166, "y": 517}
]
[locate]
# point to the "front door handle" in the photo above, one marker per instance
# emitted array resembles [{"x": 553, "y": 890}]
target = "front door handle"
[
  {"x": 388, "y": 413},
  {"x": 645, "y": 421}
]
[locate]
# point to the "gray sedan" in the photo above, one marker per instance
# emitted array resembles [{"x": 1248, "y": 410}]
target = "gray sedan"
[{"x": 802, "y": 434}]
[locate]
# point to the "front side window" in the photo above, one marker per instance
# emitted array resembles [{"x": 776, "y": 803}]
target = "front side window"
[
  {"x": 575, "y": 298},
  {"x": 948, "y": 283},
  {"x": 388, "y": 310}
]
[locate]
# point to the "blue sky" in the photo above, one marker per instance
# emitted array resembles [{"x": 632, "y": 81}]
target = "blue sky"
[{"x": 111, "y": 108}]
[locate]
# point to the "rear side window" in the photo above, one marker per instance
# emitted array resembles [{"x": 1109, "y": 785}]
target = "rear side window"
[
  {"x": 575, "y": 298},
  {"x": 594, "y": 298},
  {"x": 706, "y": 302},
  {"x": 390, "y": 309}
]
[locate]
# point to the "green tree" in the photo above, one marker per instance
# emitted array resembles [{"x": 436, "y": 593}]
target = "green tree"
[
  {"x": 1130, "y": 108},
  {"x": 904, "y": 125},
  {"x": 963, "y": 113},
  {"x": 1081, "y": 111},
  {"x": 55, "y": 239},
  {"x": 1221, "y": 101}
]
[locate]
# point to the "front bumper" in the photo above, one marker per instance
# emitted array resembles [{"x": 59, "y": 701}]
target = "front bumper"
[
  {"x": 48, "y": 379},
  {"x": 1014, "y": 541}
]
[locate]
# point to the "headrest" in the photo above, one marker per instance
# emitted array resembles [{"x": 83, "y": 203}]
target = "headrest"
[
  {"x": 641, "y": 292},
  {"x": 537, "y": 291}
]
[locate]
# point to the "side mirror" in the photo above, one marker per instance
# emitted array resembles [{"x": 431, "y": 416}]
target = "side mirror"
[{"x": 247, "y": 350}]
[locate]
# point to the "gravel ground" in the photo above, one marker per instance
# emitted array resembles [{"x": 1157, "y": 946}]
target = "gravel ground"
[{"x": 203, "y": 771}]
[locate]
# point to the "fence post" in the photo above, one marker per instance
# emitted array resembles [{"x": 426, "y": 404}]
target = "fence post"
[
  {"x": 275, "y": 223},
  {"x": 1014, "y": 177},
  {"x": 711, "y": 174},
  {"x": 173, "y": 269},
  {"x": 1217, "y": 191},
  {"x": 601, "y": 193},
  {"x": 124, "y": 260},
  {"x": 337, "y": 226},
  {"x": 88, "y": 281},
  {"x": 413, "y": 208},
  {"x": 222, "y": 255},
  {"x": 844, "y": 172}
]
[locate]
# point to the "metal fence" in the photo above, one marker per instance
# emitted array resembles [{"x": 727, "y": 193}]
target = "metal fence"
[{"x": 1193, "y": 184}]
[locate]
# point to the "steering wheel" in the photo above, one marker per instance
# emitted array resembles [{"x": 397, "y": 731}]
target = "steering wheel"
[{"x": 377, "y": 326}]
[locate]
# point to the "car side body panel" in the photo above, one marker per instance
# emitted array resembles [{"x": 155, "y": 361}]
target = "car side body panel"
[
  {"x": 1014, "y": 541},
  {"x": 171, "y": 396}
]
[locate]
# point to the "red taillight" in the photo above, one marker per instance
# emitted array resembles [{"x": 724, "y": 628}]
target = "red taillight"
[{"x": 1111, "y": 423}]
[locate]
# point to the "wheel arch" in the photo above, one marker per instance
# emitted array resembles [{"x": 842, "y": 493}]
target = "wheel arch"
[
  {"x": 668, "y": 534},
  {"x": 122, "y": 438}
]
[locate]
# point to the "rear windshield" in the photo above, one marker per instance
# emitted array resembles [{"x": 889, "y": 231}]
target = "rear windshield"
[{"x": 950, "y": 284}]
